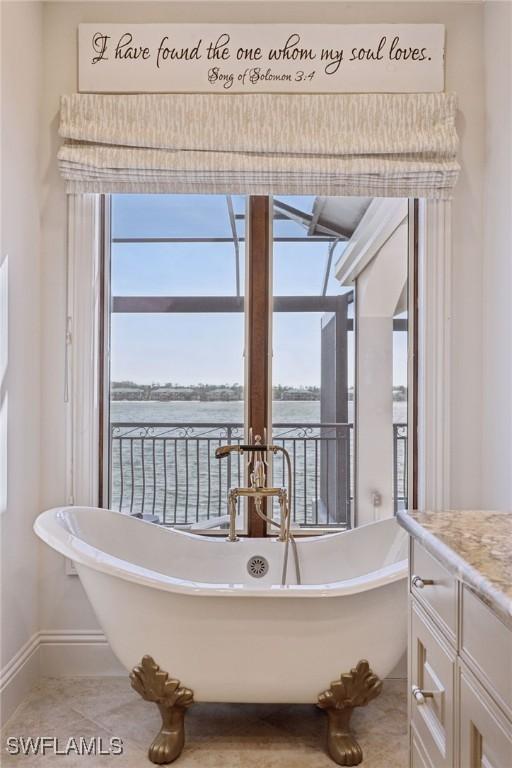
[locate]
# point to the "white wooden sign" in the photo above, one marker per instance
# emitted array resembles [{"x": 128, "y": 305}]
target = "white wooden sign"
[{"x": 247, "y": 58}]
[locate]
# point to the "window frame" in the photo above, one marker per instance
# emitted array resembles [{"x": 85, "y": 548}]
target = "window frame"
[{"x": 84, "y": 346}]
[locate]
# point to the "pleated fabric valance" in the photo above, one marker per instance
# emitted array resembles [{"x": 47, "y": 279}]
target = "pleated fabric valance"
[{"x": 378, "y": 145}]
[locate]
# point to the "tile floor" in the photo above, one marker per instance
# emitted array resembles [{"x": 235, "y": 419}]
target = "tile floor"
[{"x": 217, "y": 735}]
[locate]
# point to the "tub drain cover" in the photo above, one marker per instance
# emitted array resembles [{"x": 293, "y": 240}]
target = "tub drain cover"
[{"x": 257, "y": 566}]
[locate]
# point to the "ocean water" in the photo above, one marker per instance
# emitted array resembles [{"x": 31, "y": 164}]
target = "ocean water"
[{"x": 299, "y": 412}]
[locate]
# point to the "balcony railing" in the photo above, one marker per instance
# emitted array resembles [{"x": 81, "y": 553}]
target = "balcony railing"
[
  {"x": 169, "y": 470},
  {"x": 400, "y": 466}
]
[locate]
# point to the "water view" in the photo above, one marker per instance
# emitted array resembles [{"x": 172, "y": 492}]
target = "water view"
[
  {"x": 163, "y": 459},
  {"x": 218, "y": 411},
  {"x": 178, "y": 280}
]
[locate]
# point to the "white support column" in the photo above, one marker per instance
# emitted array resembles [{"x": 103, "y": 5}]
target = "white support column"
[
  {"x": 374, "y": 418},
  {"x": 380, "y": 287},
  {"x": 434, "y": 320},
  {"x": 83, "y": 348}
]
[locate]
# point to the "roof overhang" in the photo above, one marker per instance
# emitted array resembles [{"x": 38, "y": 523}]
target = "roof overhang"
[{"x": 380, "y": 220}]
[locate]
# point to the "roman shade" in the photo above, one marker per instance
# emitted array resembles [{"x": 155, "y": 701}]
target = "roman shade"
[{"x": 387, "y": 145}]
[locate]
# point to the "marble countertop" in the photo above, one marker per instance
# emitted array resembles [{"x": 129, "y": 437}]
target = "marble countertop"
[{"x": 476, "y": 546}]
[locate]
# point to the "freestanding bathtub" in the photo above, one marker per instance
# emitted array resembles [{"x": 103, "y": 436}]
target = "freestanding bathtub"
[{"x": 194, "y": 605}]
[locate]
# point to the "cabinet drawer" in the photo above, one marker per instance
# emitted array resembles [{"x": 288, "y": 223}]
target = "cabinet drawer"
[
  {"x": 433, "y": 672},
  {"x": 486, "y": 645},
  {"x": 438, "y": 597},
  {"x": 485, "y": 734}
]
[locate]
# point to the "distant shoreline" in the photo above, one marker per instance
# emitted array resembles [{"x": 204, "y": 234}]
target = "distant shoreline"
[{"x": 128, "y": 391}]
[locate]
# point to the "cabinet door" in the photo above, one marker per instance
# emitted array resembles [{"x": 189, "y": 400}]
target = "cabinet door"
[
  {"x": 485, "y": 733},
  {"x": 486, "y": 648},
  {"x": 419, "y": 756},
  {"x": 433, "y": 672}
]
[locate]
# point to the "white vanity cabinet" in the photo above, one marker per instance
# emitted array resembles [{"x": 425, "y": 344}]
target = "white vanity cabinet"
[{"x": 460, "y": 672}]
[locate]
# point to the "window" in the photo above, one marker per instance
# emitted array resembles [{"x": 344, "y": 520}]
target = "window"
[{"x": 229, "y": 313}]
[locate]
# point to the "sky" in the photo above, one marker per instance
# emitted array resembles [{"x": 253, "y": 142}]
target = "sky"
[{"x": 191, "y": 349}]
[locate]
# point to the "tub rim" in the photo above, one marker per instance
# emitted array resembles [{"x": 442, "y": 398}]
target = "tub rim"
[{"x": 49, "y": 529}]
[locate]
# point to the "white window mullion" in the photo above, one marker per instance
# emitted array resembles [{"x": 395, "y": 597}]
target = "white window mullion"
[
  {"x": 434, "y": 332},
  {"x": 82, "y": 388}
]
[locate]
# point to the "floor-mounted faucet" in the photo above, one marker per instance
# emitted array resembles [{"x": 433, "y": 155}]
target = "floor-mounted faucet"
[{"x": 258, "y": 490}]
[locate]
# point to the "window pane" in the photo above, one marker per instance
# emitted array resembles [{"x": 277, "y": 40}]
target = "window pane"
[
  {"x": 312, "y": 367},
  {"x": 325, "y": 308},
  {"x": 177, "y": 372},
  {"x": 172, "y": 215},
  {"x": 176, "y": 269}
]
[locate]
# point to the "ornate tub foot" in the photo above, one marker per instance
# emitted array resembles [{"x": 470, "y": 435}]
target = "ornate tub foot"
[
  {"x": 153, "y": 684},
  {"x": 354, "y": 689}
]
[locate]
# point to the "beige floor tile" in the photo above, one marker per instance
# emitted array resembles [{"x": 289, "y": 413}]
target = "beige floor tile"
[
  {"x": 217, "y": 735},
  {"x": 91, "y": 696},
  {"x": 209, "y": 757},
  {"x": 74, "y": 726}
]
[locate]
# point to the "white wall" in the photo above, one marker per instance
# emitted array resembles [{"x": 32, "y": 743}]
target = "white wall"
[
  {"x": 20, "y": 334},
  {"x": 63, "y": 604},
  {"x": 497, "y": 261}
]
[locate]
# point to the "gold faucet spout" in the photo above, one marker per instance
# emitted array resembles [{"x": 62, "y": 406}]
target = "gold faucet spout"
[{"x": 225, "y": 450}]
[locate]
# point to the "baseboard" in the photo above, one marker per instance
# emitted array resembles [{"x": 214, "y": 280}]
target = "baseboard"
[
  {"x": 59, "y": 653},
  {"x": 18, "y": 677},
  {"x": 76, "y": 653}
]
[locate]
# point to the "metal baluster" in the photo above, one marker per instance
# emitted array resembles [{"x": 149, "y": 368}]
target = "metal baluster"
[
  {"x": 143, "y": 449},
  {"x": 197, "y": 479},
  {"x": 186, "y": 480},
  {"x": 164, "y": 449},
  {"x": 352, "y": 464},
  {"x": 121, "y": 479},
  {"x": 327, "y": 447},
  {"x": 209, "y": 458},
  {"x": 406, "y": 470},
  {"x": 294, "y": 478},
  {"x": 311, "y": 490},
  {"x": 317, "y": 489},
  {"x": 113, "y": 470},
  {"x": 338, "y": 447},
  {"x": 132, "y": 476},
  {"x": 348, "y": 476},
  {"x": 175, "y": 480},
  {"x": 395, "y": 468},
  {"x": 220, "y": 481},
  {"x": 153, "y": 441},
  {"x": 304, "y": 448}
]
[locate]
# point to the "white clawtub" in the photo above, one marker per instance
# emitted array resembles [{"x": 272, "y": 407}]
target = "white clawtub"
[{"x": 190, "y": 603}]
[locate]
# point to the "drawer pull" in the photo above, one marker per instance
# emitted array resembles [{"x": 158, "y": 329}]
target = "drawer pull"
[
  {"x": 419, "y": 583},
  {"x": 420, "y": 696}
]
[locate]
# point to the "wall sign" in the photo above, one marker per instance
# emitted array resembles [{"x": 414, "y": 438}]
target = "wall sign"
[{"x": 247, "y": 58}]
